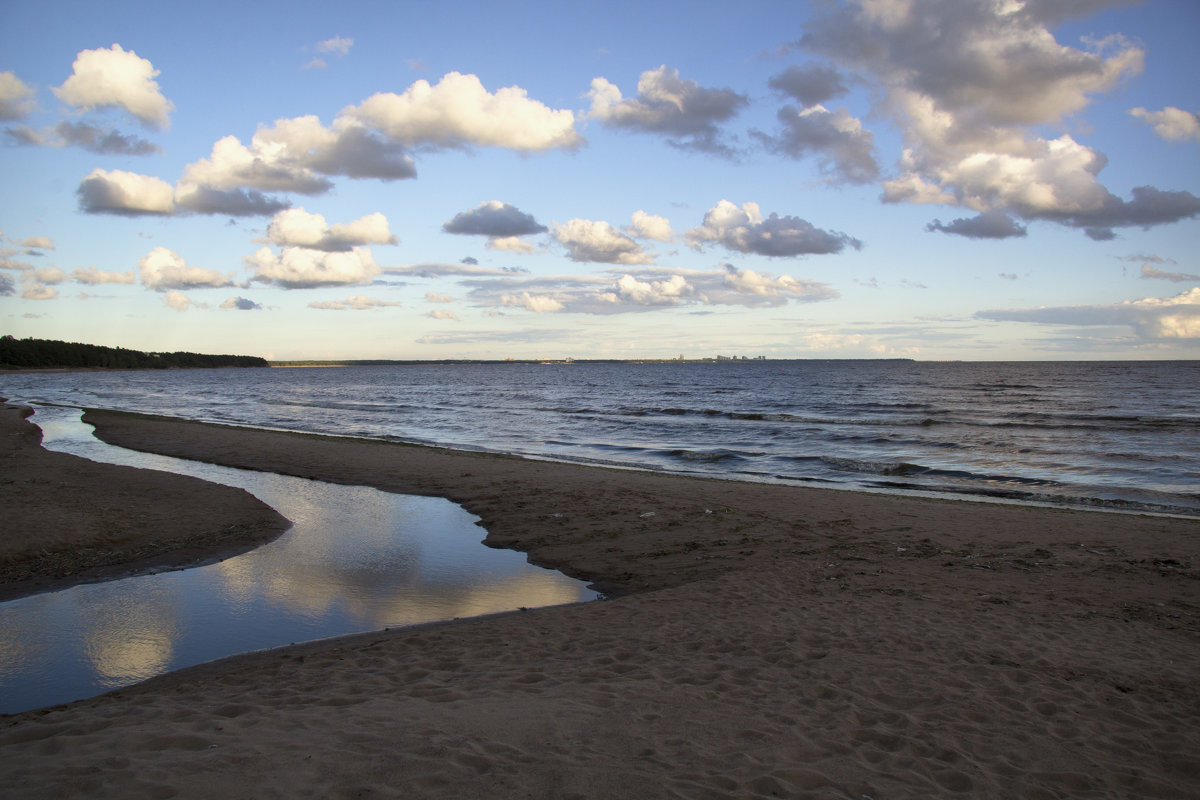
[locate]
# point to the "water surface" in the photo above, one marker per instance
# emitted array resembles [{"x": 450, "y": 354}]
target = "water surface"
[
  {"x": 357, "y": 559},
  {"x": 1119, "y": 435}
]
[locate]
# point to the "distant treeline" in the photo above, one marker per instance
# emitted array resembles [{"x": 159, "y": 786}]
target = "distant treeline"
[{"x": 48, "y": 354}]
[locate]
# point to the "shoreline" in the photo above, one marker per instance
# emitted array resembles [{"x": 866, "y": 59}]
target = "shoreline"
[
  {"x": 69, "y": 520},
  {"x": 763, "y": 640}
]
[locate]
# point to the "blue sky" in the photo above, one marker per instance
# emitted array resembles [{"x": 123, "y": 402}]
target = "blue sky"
[{"x": 935, "y": 179}]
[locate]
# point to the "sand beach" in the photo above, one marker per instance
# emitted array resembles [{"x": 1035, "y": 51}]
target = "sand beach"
[{"x": 759, "y": 640}]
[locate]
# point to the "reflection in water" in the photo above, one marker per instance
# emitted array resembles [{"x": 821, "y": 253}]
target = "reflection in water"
[
  {"x": 127, "y": 638},
  {"x": 356, "y": 559}
]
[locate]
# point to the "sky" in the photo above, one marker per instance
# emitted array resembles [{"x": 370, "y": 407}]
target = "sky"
[{"x": 929, "y": 179}]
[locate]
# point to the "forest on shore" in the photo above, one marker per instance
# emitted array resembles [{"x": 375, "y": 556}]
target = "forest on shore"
[{"x": 51, "y": 354}]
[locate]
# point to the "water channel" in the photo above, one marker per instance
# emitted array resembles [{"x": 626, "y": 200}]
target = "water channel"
[{"x": 356, "y": 559}]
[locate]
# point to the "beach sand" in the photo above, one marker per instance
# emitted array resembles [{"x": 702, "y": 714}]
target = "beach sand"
[{"x": 761, "y": 641}]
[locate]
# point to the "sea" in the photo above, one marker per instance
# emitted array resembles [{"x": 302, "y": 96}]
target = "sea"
[{"x": 1119, "y": 436}]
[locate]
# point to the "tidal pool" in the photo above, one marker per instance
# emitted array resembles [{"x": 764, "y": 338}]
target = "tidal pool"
[{"x": 356, "y": 559}]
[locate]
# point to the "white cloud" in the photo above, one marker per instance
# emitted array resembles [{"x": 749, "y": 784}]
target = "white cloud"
[
  {"x": 588, "y": 240},
  {"x": 162, "y": 269},
  {"x": 94, "y": 277},
  {"x": 38, "y": 243},
  {"x": 232, "y": 165},
  {"x": 434, "y": 297},
  {"x": 442, "y": 313},
  {"x": 178, "y": 300},
  {"x": 297, "y": 227},
  {"x": 16, "y": 98},
  {"x": 459, "y": 112},
  {"x": 1172, "y": 124},
  {"x": 967, "y": 81},
  {"x": 116, "y": 78},
  {"x": 302, "y": 268},
  {"x": 125, "y": 194},
  {"x": 509, "y": 244},
  {"x": 356, "y": 302},
  {"x": 37, "y": 291},
  {"x": 650, "y": 226},
  {"x": 297, "y": 155},
  {"x": 669, "y": 105},
  {"x": 630, "y": 290},
  {"x": 536, "y": 303},
  {"x": 50, "y": 275},
  {"x": 338, "y": 45},
  {"x": 745, "y": 230},
  {"x": 1175, "y": 317}
]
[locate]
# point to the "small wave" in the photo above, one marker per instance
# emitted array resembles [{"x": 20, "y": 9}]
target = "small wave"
[
  {"x": 873, "y": 467},
  {"x": 708, "y": 456}
]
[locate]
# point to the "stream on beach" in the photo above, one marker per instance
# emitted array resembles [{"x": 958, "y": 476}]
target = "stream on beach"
[{"x": 356, "y": 559}]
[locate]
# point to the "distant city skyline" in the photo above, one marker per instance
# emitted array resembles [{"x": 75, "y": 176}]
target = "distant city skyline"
[{"x": 929, "y": 179}]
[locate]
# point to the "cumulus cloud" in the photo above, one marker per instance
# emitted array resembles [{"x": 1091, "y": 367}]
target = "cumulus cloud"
[
  {"x": 296, "y": 227},
  {"x": 131, "y": 194},
  {"x": 38, "y": 243},
  {"x": 650, "y": 226},
  {"x": 303, "y": 268},
  {"x": 356, "y": 302},
  {"x": 1172, "y": 124},
  {"x": 298, "y": 155},
  {"x": 95, "y": 277},
  {"x": 338, "y": 45},
  {"x": 7, "y": 286},
  {"x": 49, "y": 275},
  {"x": 16, "y": 97},
  {"x": 494, "y": 219},
  {"x": 162, "y": 269},
  {"x": 38, "y": 291},
  {"x": 240, "y": 304},
  {"x": 811, "y": 84},
  {"x": 116, "y": 78},
  {"x": 595, "y": 241},
  {"x": 844, "y": 149},
  {"x": 745, "y": 230},
  {"x": 442, "y": 313},
  {"x": 1155, "y": 273},
  {"x": 509, "y": 244},
  {"x": 1175, "y": 317},
  {"x": 434, "y": 297},
  {"x": 178, "y": 300},
  {"x": 988, "y": 225},
  {"x": 537, "y": 303},
  {"x": 967, "y": 82},
  {"x": 124, "y": 193},
  {"x": 459, "y": 112},
  {"x": 687, "y": 113}
]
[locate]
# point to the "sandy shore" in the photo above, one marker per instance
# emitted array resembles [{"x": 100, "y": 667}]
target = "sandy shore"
[
  {"x": 67, "y": 520},
  {"x": 764, "y": 641}
]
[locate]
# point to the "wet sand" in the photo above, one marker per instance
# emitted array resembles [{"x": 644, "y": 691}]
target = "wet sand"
[{"x": 762, "y": 641}]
